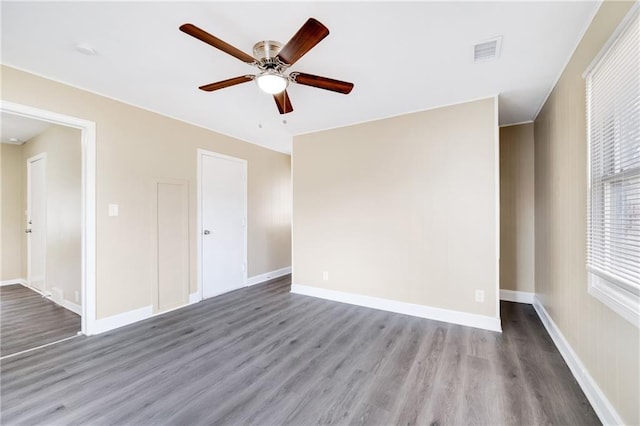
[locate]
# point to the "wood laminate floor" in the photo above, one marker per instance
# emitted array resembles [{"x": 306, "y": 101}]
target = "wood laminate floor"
[
  {"x": 28, "y": 320},
  {"x": 264, "y": 356}
]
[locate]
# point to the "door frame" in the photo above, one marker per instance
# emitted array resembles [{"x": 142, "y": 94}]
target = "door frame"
[
  {"x": 30, "y": 161},
  {"x": 88, "y": 146},
  {"x": 198, "y": 295}
]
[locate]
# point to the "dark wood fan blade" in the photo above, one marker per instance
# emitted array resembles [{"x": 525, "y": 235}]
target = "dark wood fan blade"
[
  {"x": 226, "y": 83},
  {"x": 322, "y": 82},
  {"x": 310, "y": 34},
  {"x": 283, "y": 102},
  {"x": 214, "y": 41}
]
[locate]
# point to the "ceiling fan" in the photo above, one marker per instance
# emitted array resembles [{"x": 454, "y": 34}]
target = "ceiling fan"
[{"x": 272, "y": 60}]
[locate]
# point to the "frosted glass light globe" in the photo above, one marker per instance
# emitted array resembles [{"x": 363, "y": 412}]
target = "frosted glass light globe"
[{"x": 271, "y": 83}]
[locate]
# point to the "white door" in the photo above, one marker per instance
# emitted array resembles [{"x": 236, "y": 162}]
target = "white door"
[
  {"x": 223, "y": 198},
  {"x": 36, "y": 221}
]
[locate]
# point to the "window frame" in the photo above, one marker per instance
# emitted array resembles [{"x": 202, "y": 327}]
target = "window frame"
[{"x": 622, "y": 297}]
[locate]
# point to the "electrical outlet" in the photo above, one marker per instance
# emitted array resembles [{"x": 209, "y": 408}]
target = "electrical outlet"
[
  {"x": 325, "y": 276},
  {"x": 480, "y": 296}
]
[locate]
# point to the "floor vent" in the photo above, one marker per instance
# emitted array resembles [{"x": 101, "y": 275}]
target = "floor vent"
[{"x": 487, "y": 50}]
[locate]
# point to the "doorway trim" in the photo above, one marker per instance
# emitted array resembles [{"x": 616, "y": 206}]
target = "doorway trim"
[
  {"x": 88, "y": 145},
  {"x": 29, "y": 162},
  {"x": 198, "y": 295}
]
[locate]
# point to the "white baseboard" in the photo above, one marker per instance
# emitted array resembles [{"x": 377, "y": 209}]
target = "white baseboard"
[
  {"x": 126, "y": 318},
  {"x": 601, "y": 405},
  {"x": 516, "y": 296},
  {"x": 438, "y": 314},
  {"x": 73, "y": 307},
  {"x": 120, "y": 320},
  {"x": 257, "y": 279},
  {"x": 57, "y": 297},
  {"x": 14, "y": 281}
]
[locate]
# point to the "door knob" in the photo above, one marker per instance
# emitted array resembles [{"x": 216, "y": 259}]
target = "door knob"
[
  {"x": 28, "y": 231},
  {"x": 206, "y": 232}
]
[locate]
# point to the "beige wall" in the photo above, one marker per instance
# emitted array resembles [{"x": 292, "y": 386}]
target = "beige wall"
[
  {"x": 64, "y": 208},
  {"x": 134, "y": 147},
  {"x": 402, "y": 208},
  {"x": 607, "y": 344},
  {"x": 517, "y": 245},
  {"x": 11, "y": 222}
]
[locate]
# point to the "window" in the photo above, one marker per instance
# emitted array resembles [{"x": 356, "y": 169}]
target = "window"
[{"x": 613, "y": 117}]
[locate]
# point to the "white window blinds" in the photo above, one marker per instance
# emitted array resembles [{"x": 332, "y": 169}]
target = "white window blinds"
[{"x": 613, "y": 111}]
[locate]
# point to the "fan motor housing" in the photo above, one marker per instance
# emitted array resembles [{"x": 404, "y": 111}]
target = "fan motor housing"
[{"x": 266, "y": 49}]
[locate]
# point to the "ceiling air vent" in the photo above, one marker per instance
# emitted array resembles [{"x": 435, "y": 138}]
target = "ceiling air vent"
[{"x": 487, "y": 50}]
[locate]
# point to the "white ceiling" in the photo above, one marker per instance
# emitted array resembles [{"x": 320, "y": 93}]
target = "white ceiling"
[
  {"x": 402, "y": 57},
  {"x": 20, "y": 128}
]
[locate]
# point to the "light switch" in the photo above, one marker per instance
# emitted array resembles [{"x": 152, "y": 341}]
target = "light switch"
[{"x": 113, "y": 210}]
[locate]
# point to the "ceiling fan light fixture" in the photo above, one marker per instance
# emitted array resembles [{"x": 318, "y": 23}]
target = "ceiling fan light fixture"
[
  {"x": 271, "y": 82},
  {"x": 273, "y": 60}
]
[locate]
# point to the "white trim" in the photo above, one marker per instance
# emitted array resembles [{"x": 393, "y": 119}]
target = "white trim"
[
  {"x": 288, "y": 152},
  {"x": 438, "y": 314},
  {"x": 73, "y": 307},
  {"x": 385, "y": 117},
  {"x": 517, "y": 296},
  {"x": 204, "y": 152},
  {"x": 88, "y": 136},
  {"x": 103, "y": 325},
  {"x": 520, "y": 123},
  {"x": 194, "y": 298},
  {"x": 127, "y": 318},
  {"x": 291, "y": 217},
  {"x": 614, "y": 298},
  {"x": 612, "y": 38},
  {"x": 257, "y": 279},
  {"x": 41, "y": 293},
  {"x": 166, "y": 311},
  {"x": 496, "y": 177},
  {"x": 199, "y": 155},
  {"x": 40, "y": 347},
  {"x": 20, "y": 281},
  {"x": 57, "y": 297},
  {"x": 163, "y": 114},
  {"x": 555, "y": 83},
  {"x": 603, "y": 408},
  {"x": 606, "y": 287}
]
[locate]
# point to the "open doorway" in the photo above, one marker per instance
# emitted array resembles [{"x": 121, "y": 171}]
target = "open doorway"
[
  {"x": 42, "y": 233},
  {"x": 47, "y": 256}
]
